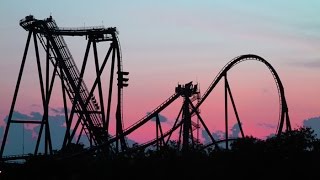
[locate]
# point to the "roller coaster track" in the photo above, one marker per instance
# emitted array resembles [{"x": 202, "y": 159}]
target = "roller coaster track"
[
  {"x": 84, "y": 102},
  {"x": 172, "y": 98},
  {"x": 282, "y": 100},
  {"x": 76, "y": 88},
  {"x": 146, "y": 118},
  {"x": 126, "y": 131},
  {"x": 223, "y": 71}
]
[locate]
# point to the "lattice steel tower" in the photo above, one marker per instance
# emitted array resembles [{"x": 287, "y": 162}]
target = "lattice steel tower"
[{"x": 89, "y": 113}]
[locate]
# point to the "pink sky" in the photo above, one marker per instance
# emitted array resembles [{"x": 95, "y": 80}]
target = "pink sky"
[{"x": 177, "y": 42}]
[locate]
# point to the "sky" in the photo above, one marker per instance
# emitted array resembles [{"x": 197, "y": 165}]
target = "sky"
[{"x": 166, "y": 42}]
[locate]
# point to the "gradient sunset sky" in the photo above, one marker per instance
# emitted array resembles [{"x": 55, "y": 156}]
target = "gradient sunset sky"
[{"x": 176, "y": 41}]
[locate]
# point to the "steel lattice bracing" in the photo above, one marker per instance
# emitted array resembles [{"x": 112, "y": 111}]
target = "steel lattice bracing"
[
  {"x": 283, "y": 117},
  {"x": 283, "y": 113},
  {"x": 90, "y": 114},
  {"x": 89, "y": 110}
]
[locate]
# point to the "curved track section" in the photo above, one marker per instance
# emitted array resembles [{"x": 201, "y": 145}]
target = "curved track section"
[
  {"x": 239, "y": 59},
  {"x": 221, "y": 74},
  {"x": 283, "y": 113}
]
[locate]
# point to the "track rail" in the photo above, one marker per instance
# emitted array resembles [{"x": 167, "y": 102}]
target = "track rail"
[
  {"x": 226, "y": 68},
  {"x": 73, "y": 79},
  {"x": 242, "y": 58},
  {"x": 76, "y": 88},
  {"x": 146, "y": 118}
]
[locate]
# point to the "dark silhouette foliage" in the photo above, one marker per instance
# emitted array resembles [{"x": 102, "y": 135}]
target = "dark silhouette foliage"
[{"x": 290, "y": 155}]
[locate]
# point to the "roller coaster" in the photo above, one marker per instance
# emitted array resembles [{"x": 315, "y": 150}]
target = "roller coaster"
[{"x": 91, "y": 111}]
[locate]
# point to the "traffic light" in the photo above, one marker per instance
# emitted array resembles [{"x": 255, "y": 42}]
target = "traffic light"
[{"x": 123, "y": 81}]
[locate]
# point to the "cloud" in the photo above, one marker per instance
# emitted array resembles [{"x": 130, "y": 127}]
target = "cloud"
[
  {"x": 313, "y": 123},
  {"x": 216, "y": 136},
  {"x": 19, "y": 139},
  {"x": 36, "y": 105},
  {"x": 1, "y": 133},
  {"x": 22, "y": 139},
  {"x": 161, "y": 118},
  {"x": 235, "y": 130},
  {"x": 20, "y": 116},
  {"x": 267, "y": 126},
  {"x": 58, "y": 110},
  {"x": 130, "y": 142},
  {"x": 314, "y": 64}
]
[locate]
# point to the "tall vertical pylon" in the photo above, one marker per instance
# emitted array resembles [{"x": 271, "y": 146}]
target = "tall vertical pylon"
[{"x": 85, "y": 112}]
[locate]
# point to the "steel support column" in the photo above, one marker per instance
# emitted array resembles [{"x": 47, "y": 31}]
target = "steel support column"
[{"x": 15, "y": 94}]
